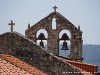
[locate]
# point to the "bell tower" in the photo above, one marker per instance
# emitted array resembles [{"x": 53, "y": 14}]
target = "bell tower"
[{"x": 60, "y": 23}]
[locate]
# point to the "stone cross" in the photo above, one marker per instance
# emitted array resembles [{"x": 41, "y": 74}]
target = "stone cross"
[
  {"x": 54, "y": 8},
  {"x": 11, "y": 25}
]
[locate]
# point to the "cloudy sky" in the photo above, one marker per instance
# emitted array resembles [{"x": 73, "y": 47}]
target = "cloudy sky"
[{"x": 85, "y": 13}]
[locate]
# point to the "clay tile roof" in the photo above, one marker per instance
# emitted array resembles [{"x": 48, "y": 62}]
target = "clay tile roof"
[
  {"x": 14, "y": 66},
  {"x": 79, "y": 66}
]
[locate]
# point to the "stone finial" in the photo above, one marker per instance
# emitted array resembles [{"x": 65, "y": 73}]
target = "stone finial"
[{"x": 79, "y": 27}]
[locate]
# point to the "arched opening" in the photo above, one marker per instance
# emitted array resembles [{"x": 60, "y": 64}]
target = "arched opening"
[
  {"x": 44, "y": 32},
  {"x": 54, "y": 23},
  {"x": 64, "y": 53}
]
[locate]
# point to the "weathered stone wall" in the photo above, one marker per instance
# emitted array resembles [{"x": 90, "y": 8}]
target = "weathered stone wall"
[
  {"x": 53, "y": 34},
  {"x": 21, "y": 47}
]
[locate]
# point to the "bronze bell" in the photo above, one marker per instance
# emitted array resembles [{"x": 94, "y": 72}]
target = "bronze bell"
[
  {"x": 64, "y": 37},
  {"x": 41, "y": 37},
  {"x": 64, "y": 47},
  {"x": 42, "y": 44}
]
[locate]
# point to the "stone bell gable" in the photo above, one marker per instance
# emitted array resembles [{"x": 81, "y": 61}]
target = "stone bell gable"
[{"x": 53, "y": 34}]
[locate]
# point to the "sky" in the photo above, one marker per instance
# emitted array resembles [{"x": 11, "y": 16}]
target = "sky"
[{"x": 85, "y": 13}]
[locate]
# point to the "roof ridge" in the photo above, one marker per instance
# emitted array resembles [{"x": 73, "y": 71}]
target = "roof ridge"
[{"x": 21, "y": 36}]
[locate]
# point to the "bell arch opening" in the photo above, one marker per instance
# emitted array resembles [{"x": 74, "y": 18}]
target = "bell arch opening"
[
  {"x": 41, "y": 37},
  {"x": 64, "y": 43},
  {"x": 54, "y": 23}
]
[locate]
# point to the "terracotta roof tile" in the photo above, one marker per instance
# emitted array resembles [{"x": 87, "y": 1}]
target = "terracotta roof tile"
[
  {"x": 79, "y": 66},
  {"x": 14, "y": 66},
  {"x": 6, "y": 68}
]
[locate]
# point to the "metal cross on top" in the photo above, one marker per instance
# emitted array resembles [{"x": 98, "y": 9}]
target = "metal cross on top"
[
  {"x": 11, "y": 25},
  {"x": 54, "y": 8}
]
